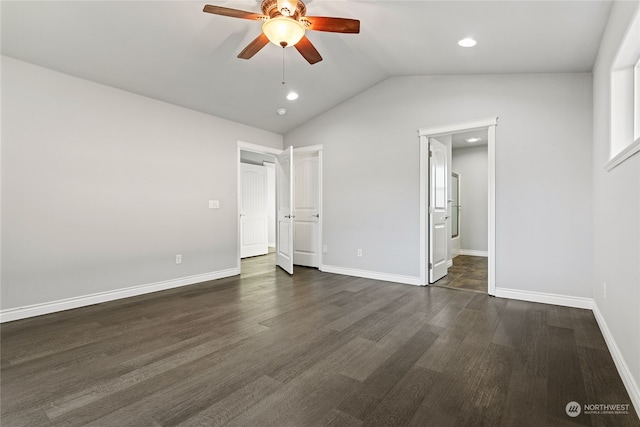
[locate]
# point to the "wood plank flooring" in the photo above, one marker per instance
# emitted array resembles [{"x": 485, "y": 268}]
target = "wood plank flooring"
[
  {"x": 313, "y": 349},
  {"x": 467, "y": 272}
]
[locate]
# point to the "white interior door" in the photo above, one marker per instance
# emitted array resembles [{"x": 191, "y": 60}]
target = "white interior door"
[
  {"x": 438, "y": 195},
  {"x": 253, "y": 210},
  {"x": 306, "y": 210},
  {"x": 284, "y": 205}
]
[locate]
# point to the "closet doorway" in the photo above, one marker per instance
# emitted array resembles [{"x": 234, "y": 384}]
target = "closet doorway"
[{"x": 279, "y": 207}]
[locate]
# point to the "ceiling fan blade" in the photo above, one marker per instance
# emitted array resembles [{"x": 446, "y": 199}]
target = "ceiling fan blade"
[
  {"x": 333, "y": 25},
  {"x": 254, "y": 47},
  {"x": 308, "y": 51},
  {"x": 234, "y": 13}
]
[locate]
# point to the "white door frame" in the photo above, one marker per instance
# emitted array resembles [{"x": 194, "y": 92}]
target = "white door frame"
[
  {"x": 490, "y": 124},
  {"x": 261, "y": 149}
]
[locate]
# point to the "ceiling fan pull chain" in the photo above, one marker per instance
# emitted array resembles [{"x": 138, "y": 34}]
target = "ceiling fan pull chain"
[{"x": 283, "y": 82}]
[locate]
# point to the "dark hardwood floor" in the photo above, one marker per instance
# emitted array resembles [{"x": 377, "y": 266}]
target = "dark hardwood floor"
[
  {"x": 467, "y": 272},
  {"x": 313, "y": 349}
]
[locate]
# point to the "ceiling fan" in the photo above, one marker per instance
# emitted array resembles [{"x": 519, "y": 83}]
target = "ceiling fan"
[{"x": 285, "y": 23}]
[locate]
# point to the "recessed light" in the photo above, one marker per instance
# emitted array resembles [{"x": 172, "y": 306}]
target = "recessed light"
[
  {"x": 468, "y": 42},
  {"x": 281, "y": 111},
  {"x": 472, "y": 140},
  {"x": 291, "y": 96}
]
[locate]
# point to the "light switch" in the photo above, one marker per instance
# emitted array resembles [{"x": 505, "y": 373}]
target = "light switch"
[{"x": 214, "y": 204}]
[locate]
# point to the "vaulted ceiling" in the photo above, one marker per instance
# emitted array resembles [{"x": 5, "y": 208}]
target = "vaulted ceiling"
[{"x": 172, "y": 51}]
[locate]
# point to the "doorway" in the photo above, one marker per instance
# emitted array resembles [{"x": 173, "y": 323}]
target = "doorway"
[
  {"x": 469, "y": 222},
  {"x": 427, "y": 230},
  {"x": 289, "y": 228},
  {"x": 257, "y": 204}
]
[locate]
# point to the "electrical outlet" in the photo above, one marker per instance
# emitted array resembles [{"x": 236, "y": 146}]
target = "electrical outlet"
[
  {"x": 179, "y": 259},
  {"x": 324, "y": 249},
  {"x": 604, "y": 290},
  {"x": 214, "y": 204},
  {"x": 359, "y": 252}
]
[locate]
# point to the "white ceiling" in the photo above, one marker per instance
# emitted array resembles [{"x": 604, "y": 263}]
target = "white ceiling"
[
  {"x": 172, "y": 51},
  {"x": 458, "y": 139}
]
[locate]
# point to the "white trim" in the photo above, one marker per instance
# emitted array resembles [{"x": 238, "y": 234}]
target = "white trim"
[
  {"x": 239, "y": 206},
  {"x": 471, "y": 252},
  {"x": 375, "y": 275},
  {"x": 256, "y": 148},
  {"x": 491, "y": 206},
  {"x": 450, "y": 262},
  {"x": 545, "y": 298},
  {"x": 100, "y": 297},
  {"x": 424, "y": 168},
  {"x": 424, "y": 134},
  {"x": 310, "y": 149},
  {"x": 621, "y": 365},
  {"x": 458, "y": 127},
  {"x": 320, "y": 205},
  {"x": 619, "y": 158}
]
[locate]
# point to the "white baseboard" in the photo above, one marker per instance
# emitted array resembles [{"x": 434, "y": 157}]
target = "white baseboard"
[
  {"x": 545, "y": 298},
  {"x": 450, "y": 263},
  {"x": 375, "y": 275},
  {"x": 471, "y": 252},
  {"x": 85, "y": 300},
  {"x": 623, "y": 369}
]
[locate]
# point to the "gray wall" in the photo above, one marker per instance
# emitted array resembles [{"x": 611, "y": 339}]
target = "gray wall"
[
  {"x": 102, "y": 188},
  {"x": 472, "y": 165},
  {"x": 616, "y": 212},
  {"x": 543, "y": 200}
]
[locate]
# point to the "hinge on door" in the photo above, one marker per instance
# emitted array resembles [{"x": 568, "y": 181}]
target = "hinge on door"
[
  {"x": 430, "y": 153},
  {"x": 430, "y": 266}
]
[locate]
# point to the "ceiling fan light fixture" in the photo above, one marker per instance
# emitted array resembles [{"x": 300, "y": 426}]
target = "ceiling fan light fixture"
[{"x": 283, "y": 31}]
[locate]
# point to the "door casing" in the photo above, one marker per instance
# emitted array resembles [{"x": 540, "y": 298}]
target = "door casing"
[{"x": 424, "y": 134}]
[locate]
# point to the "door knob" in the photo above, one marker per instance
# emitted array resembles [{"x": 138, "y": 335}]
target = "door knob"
[{"x": 317, "y": 215}]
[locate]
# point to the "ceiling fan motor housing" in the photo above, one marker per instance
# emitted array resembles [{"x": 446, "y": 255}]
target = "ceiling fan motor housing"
[{"x": 270, "y": 8}]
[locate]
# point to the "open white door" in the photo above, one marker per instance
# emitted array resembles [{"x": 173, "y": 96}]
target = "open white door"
[
  {"x": 284, "y": 205},
  {"x": 306, "y": 223},
  {"x": 254, "y": 230},
  {"x": 438, "y": 191}
]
